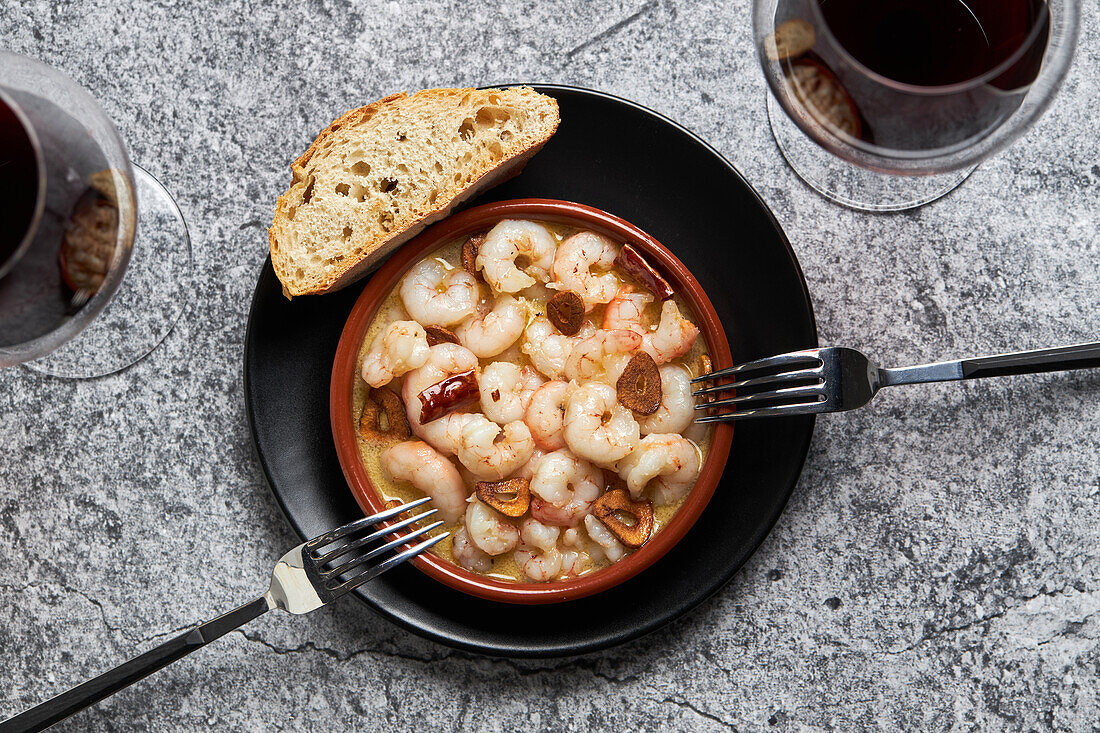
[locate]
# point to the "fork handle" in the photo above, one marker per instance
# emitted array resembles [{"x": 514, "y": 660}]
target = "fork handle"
[
  {"x": 1079, "y": 356},
  {"x": 85, "y": 695}
]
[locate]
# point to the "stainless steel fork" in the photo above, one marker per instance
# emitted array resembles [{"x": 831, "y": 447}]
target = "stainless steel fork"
[
  {"x": 835, "y": 379},
  {"x": 311, "y": 575}
]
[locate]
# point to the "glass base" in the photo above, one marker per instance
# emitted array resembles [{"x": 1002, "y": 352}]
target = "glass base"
[
  {"x": 144, "y": 309},
  {"x": 848, "y": 184}
]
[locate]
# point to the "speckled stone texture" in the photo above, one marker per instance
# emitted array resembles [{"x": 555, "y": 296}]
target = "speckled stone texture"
[{"x": 936, "y": 569}]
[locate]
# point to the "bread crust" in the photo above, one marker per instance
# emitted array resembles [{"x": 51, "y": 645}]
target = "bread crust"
[{"x": 353, "y": 269}]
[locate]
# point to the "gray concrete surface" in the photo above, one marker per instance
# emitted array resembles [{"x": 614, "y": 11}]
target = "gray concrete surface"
[{"x": 937, "y": 567}]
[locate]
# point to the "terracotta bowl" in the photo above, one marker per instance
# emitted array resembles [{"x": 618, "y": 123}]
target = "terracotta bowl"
[{"x": 344, "y": 374}]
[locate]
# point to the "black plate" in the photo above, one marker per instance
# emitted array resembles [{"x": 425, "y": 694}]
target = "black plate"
[{"x": 634, "y": 163}]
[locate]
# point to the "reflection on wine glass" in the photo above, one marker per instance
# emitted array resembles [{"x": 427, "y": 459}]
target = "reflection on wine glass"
[
  {"x": 77, "y": 298},
  {"x": 887, "y": 105}
]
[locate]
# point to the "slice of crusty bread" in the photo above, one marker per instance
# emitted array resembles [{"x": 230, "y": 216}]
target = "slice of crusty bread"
[{"x": 379, "y": 174}]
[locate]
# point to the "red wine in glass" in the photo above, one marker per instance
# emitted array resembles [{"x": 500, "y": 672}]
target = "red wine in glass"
[
  {"x": 60, "y": 237},
  {"x": 939, "y": 43},
  {"x": 69, "y": 210},
  {"x": 19, "y": 186},
  {"x": 886, "y": 105},
  {"x": 901, "y": 86}
]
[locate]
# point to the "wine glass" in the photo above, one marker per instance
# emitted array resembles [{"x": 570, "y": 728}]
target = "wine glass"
[
  {"x": 888, "y": 105},
  {"x": 77, "y": 299}
]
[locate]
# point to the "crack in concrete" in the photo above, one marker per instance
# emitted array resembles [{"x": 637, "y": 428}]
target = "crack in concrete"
[
  {"x": 937, "y": 633},
  {"x": 120, "y": 630},
  {"x": 309, "y": 646},
  {"x": 514, "y": 668},
  {"x": 1071, "y": 629},
  {"x": 102, "y": 611},
  {"x": 701, "y": 713},
  {"x": 612, "y": 30}
]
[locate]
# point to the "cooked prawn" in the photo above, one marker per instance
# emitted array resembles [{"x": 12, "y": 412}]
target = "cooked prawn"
[
  {"x": 443, "y": 361},
  {"x": 677, "y": 408},
  {"x": 564, "y": 488},
  {"x": 548, "y": 349},
  {"x": 468, "y": 554},
  {"x": 607, "y": 544},
  {"x": 403, "y": 346},
  {"x": 597, "y": 427},
  {"x": 487, "y": 531},
  {"x": 505, "y": 244},
  {"x": 603, "y": 356},
  {"x": 506, "y": 391},
  {"x": 569, "y": 515},
  {"x": 437, "y": 296},
  {"x": 670, "y": 462},
  {"x": 537, "y": 293},
  {"x": 537, "y": 564},
  {"x": 536, "y": 534},
  {"x": 490, "y": 333},
  {"x": 573, "y": 562},
  {"x": 527, "y": 470},
  {"x": 429, "y": 472},
  {"x": 573, "y": 268},
  {"x": 491, "y": 452},
  {"x": 675, "y": 335},
  {"x": 563, "y": 480},
  {"x": 627, "y": 311},
  {"x": 545, "y": 414}
]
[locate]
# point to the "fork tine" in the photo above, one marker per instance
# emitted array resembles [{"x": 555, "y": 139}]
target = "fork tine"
[
  {"x": 807, "y": 391},
  {"x": 780, "y": 378},
  {"x": 360, "y": 559},
  {"x": 329, "y": 537},
  {"x": 392, "y": 562},
  {"x": 794, "y": 357},
  {"x": 356, "y": 544},
  {"x": 801, "y": 408}
]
